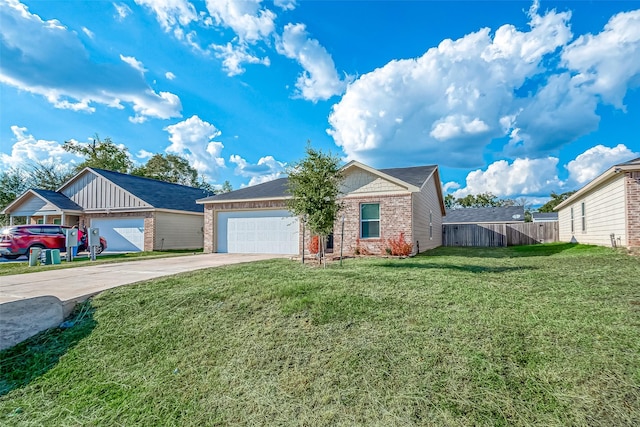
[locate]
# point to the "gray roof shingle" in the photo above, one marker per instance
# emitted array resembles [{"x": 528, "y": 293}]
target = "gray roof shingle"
[
  {"x": 159, "y": 194},
  {"x": 58, "y": 199},
  {"x": 545, "y": 215},
  {"x": 490, "y": 214},
  {"x": 278, "y": 188}
]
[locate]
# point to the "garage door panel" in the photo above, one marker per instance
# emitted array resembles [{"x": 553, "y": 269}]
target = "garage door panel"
[
  {"x": 122, "y": 234},
  {"x": 273, "y": 232}
]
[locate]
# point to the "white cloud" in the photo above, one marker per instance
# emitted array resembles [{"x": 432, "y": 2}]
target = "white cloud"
[
  {"x": 134, "y": 63},
  {"x": 144, "y": 154},
  {"x": 27, "y": 149},
  {"x": 607, "y": 63},
  {"x": 267, "y": 169},
  {"x": 88, "y": 32},
  {"x": 522, "y": 177},
  {"x": 169, "y": 75},
  {"x": 451, "y": 185},
  {"x": 171, "y": 14},
  {"x": 319, "y": 80},
  {"x": 596, "y": 160},
  {"x": 246, "y": 18},
  {"x": 193, "y": 139},
  {"x": 233, "y": 56},
  {"x": 450, "y": 102},
  {"x": 122, "y": 10},
  {"x": 285, "y": 4},
  {"x": 31, "y": 52}
]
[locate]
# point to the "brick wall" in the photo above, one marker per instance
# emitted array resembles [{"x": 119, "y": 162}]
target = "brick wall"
[
  {"x": 632, "y": 185},
  {"x": 395, "y": 217}
]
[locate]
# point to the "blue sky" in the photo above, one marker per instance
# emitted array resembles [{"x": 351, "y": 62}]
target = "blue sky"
[{"x": 516, "y": 98}]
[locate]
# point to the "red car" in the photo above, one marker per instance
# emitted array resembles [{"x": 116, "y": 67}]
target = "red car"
[{"x": 17, "y": 240}]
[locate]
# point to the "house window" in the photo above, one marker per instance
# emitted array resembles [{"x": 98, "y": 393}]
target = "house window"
[
  {"x": 584, "y": 217},
  {"x": 430, "y": 225},
  {"x": 369, "y": 220},
  {"x": 57, "y": 221},
  {"x": 40, "y": 221},
  {"x": 572, "y": 227}
]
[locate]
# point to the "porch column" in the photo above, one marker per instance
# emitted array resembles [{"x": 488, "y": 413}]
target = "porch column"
[
  {"x": 62, "y": 219},
  {"x": 10, "y": 219}
]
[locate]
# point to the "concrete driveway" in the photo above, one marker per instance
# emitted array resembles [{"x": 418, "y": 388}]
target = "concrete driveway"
[
  {"x": 33, "y": 302},
  {"x": 76, "y": 284}
]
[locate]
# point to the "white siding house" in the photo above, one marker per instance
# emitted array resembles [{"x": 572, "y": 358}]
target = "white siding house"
[{"x": 606, "y": 211}]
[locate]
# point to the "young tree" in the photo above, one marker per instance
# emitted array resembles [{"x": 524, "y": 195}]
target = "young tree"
[
  {"x": 314, "y": 184},
  {"x": 226, "y": 188},
  {"x": 101, "y": 154}
]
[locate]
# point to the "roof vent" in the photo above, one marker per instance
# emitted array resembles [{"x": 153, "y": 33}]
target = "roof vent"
[{"x": 516, "y": 216}]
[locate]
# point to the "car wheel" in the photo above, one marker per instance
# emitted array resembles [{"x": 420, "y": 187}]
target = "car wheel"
[
  {"x": 11, "y": 256},
  {"x": 99, "y": 249}
]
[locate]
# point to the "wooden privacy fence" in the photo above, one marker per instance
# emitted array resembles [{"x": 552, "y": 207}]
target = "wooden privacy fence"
[{"x": 526, "y": 233}]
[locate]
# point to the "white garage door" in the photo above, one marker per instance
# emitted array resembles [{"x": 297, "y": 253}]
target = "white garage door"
[
  {"x": 122, "y": 234},
  {"x": 258, "y": 232}
]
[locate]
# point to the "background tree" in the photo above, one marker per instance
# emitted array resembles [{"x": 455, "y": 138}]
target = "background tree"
[
  {"x": 15, "y": 181},
  {"x": 101, "y": 154},
  {"x": 481, "y": 200},
  {"x": 556, "y": 199},
  {"x": 314, "y": 184},
  {"x": 169, "y": 168},
  {"x": 226, "y": 188}
]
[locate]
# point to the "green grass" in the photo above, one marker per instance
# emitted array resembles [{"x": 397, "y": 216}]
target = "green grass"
[
  {"x": 542, "y": 335},
  {"x": 82, "y": 260}
]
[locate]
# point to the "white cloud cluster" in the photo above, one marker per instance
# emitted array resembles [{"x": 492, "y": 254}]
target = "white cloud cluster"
[
  {"x": 596, "y": 160},
  {"x": 535, "y": 87},
  {"x": 448, "y": 103},
  {"x": 193, "y": 139},
  {"x": 31, "y": 52},
  {"x": 319, "y": 80},
  {"x": 253, "y": 23},
  {"x": 233, "y": 56},
  {"x": 267, "y": 169},
  {"x": 539, "y": 177},
  {"x": 27, "y": 149},
  {"x": 172, "y": 14},
  {"x": 122, "y": 10},
  {"x": 521, "y": 177}
]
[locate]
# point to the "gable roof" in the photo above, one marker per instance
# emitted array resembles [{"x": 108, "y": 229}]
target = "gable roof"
[
  {"x": 484, "y": 215},
  {"x": 54, "y": 198},
  {"x": 416, "y": 175},
  {"x": 630, "y": 165},
  {"x": 159, "y": 194},
  {"x": 278, "y": 189},
  {"x": 57, "y": 199}
]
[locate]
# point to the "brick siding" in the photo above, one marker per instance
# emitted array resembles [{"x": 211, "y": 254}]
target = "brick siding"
[{"x": 633, "y": 208}]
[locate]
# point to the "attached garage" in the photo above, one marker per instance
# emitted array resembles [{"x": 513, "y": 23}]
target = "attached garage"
[
  {"x": 122, "y": 234},
  {"x": 258, "y": 232}
]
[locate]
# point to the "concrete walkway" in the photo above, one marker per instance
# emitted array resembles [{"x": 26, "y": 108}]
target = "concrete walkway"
[
  {"x": 77, "y": 283},
  {"x": 33, "y": 302}
]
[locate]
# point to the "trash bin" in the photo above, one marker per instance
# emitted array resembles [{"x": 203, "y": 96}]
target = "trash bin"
[
  {"x": 34, "y": 255},
  {"x": 50, "y": 256},
  {"x": 55, "y": 256}
]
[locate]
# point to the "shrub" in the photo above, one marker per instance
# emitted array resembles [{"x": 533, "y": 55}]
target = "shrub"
[{"x": 399, "y": 246}]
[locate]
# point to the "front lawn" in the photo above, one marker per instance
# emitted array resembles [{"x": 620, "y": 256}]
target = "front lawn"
[{"x": 540, "y": 335}]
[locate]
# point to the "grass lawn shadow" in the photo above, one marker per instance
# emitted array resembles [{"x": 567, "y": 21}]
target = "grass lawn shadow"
[
  {"x": 544, "y": 249},
  {"x": 462, "y": 268},
  {"x": 30, "y": 359}
]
